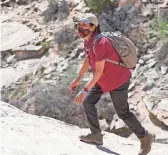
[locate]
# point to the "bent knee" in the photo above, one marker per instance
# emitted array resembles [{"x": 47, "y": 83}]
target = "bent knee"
[{"x": 124, "y": 114}]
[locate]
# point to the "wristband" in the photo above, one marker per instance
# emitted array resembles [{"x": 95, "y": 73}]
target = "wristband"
[
  {"x": 83, "y": 91},
  {"x": 78, "y": 77}
]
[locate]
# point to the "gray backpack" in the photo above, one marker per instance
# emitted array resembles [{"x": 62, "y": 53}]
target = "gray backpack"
[{"x": 125, "y": 48}]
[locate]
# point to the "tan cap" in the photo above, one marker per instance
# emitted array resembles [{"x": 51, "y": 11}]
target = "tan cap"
[{"x": 89, "y": 18}]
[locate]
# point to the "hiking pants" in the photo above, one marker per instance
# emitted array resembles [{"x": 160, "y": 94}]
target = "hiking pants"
[{"x": 119, "y": 98}]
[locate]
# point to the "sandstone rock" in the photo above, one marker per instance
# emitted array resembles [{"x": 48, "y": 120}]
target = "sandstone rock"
[
  {"x": 47, "y": 134},
  {"x": 163, "y": 14},
  {"x": 52, "y": 98},
  {"x": 3, "y": 63},
  {"x": 147, "y": 11},
  {"x": 130, "y": 94},
  {"x": 50, "y": 14},
  {"x": 151, "y": 62},
  {"x": 74, "y": 53},
  {"x": 164, "y": 70},
  {"x": 119, "y": 127},
  {"x": 135, "y": 72},
  {"x": 49, "y": 70},
  {"x": 152, "y": 43},
  {"x": 141, "y": 62},
  {"x": 42, "y": 6},
  {"x": 11, "y": 59},
  {"x": 7, "y": 3},
  {"x": 103, "y": 125},
  {"x": 151, "y": 74},
  {"x": 147, "y": 57},
  {"x": 144, "y": 1},
  {"x": 149, "y": 85},
  {"x": 48, "y": 76},
  {"x": 21, "y": 2},
  {"x": 132, "y": 85},
  {"x": 158, "y": 111},
  {"x": 62, "y": 66},
  {"x": 161, "y": 54},
  {"x": 19, "y": 35},
  {"x": 81, "y": 56},
  {"x": 142, "y": 48}
]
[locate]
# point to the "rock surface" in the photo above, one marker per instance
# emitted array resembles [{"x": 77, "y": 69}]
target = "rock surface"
[
  {"x": 22, "y": 82},
  {"x": 14, "y": 35},
  {"x": 25, "y": 134}
]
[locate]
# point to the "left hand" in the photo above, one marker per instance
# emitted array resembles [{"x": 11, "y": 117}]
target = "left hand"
[{"x": 80, "y": 97}]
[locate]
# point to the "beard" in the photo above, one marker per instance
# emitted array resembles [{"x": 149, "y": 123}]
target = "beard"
[{"x": 83, "y": 32}]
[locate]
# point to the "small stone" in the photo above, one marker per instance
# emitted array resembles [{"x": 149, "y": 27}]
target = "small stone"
[
  {"x": 144, "y": 1},
  {"x": 151, "y": 63},
  {"x": 103, "y": 125},
  {"x": 15, "y": 65},
  {"x": 48, "y": 76},
  {"x": 147, "y": 11},
  {"x": 3, "y": 63},
  {"x": 164, "y": 70},
  {"x": 132, "y": 85},
  {"x": 6, "y": 65},
  {"x": 74, "y": 53},
  {"x": 147, "y": 57},
  {"x": 56, "y": 78},
  {"x": 11, "y": 59},
  {"x": 81, "y": 56},
  {"x": 49, "y": 70},
  {"x": 151, "y": 74},
  {"x": 130, "y": 94},
  {"x": 150, "y": 84},
  {"x": 117, "y": 124},
  {"x": 62, "y": 66},
  {"x": 142, "y": 48},
  {"x": 134, "y": 74},
  {"x": 141, "y": 62},
  {"x": 17, "y": 82}
]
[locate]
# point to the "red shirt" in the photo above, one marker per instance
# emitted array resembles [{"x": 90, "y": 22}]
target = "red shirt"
[{"x": 113, "y": 75}]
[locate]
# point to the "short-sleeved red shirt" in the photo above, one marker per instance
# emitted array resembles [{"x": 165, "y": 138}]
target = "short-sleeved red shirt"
[{"x": 113, "y": 75}]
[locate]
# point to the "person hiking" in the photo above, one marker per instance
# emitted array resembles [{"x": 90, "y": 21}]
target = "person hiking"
[{"x": 107, "y": 77}]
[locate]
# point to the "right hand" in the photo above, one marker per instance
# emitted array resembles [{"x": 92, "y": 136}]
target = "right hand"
[{"x": 74, "y": 84}]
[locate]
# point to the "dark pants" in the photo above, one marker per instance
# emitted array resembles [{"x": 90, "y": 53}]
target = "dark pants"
[{"x": 119, "y": 97}]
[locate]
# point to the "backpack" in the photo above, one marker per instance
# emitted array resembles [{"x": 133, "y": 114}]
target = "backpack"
[{"x": 125, "y": 48}]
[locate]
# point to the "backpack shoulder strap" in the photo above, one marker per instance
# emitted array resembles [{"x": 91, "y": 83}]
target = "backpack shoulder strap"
[{"x": 96, "y": 38}]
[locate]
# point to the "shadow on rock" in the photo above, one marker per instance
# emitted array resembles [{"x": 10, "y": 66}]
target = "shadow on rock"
[{"x": 102, "y": 148}]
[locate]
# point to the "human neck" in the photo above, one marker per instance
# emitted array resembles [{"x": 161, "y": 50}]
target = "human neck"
[{"x": 89, "y": 36}]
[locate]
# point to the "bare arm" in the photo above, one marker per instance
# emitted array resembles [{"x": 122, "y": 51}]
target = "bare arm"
[{"x": 83, "y": 69}]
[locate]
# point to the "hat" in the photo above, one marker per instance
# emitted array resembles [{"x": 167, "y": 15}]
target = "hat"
[{"x": 89, "y": 18}]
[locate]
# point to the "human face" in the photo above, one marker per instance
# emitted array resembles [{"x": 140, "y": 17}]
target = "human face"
[{"x": 85, "y": 30}]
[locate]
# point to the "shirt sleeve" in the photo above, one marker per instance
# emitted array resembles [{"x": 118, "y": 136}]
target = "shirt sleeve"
[{"x": 100, "y": 49}]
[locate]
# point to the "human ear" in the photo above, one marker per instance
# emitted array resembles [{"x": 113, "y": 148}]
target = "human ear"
[{"x": 92, "y": 28}]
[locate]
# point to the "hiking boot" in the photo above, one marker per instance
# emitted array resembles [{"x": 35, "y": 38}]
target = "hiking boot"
[
  {"x": 146, "y": 143},
  {"x": 93, "y": 138}
]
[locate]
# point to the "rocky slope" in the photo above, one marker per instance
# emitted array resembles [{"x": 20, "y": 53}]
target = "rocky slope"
[
  {"x": 25, "y": 134},
  {"x": 40, "y": 86}
]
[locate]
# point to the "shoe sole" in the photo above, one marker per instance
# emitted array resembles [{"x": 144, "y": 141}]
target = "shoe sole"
[{"x": 91, "y": 142}]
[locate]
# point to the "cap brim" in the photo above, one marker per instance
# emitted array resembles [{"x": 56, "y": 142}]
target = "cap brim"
[{"x": 86, "y": 21}]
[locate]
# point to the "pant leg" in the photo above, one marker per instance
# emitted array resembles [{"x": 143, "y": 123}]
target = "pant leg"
[
  {"x": 91, "y": 99},
  {"x": 119, "y": 97}
]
